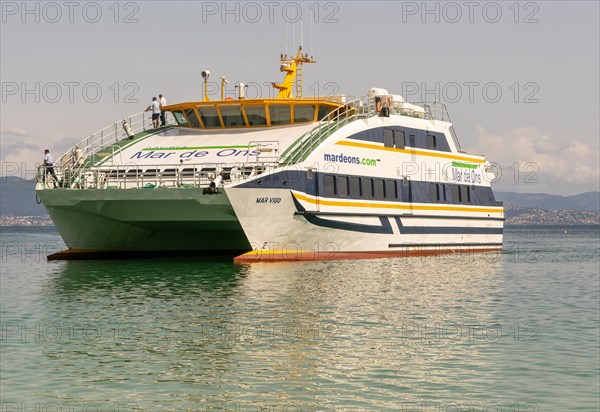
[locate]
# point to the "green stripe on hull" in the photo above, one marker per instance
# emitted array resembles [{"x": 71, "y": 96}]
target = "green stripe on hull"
[
  {"x": 464, "y": 165},
  {"x": 198, "y": 147}
]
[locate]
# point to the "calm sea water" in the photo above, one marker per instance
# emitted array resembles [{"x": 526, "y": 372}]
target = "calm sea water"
[{"x": 518, "y": 331}]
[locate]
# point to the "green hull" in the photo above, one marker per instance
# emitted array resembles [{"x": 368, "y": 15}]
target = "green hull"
[{"x": 123, "y": 220}]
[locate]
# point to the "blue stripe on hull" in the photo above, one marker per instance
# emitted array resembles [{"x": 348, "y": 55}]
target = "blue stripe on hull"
[{"x": 447, "y": 230}]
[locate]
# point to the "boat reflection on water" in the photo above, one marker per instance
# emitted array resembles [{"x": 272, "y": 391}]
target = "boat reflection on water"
[{"x": 209, "y": 333}]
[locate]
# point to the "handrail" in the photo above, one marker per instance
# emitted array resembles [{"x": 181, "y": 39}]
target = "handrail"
[
  {"x": 131, "y": 175},
  {"x": 106, "y": 136},
  {"x": 360, "y": 108}
]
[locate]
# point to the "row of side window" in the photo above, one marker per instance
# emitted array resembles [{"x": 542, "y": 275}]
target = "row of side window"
[
  {"x": 397, "y": 139},
  {"x": 441, "y": 193},
  {"x": 359, "y": 187}
]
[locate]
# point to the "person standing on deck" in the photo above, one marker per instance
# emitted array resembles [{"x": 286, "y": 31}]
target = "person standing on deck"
[
  {"x": 48, "y": 167},
  {"x": 155, "y": 107},
  {"x": 163, "y": 103}
]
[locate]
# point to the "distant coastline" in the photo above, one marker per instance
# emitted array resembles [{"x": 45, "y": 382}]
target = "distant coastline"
[{"x": 515, "y": 216}]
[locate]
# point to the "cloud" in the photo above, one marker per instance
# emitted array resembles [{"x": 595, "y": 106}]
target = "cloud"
[
  {"x": 14, "y": 132},
  {"x": 542, "y": 160},
  {"x": 14, "y": 141}
]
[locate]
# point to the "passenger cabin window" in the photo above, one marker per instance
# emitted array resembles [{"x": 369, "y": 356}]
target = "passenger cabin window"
[
  {"x": 328, "y": 185},
  {"x": 391, "y": 191},
  {"x": 304, "y": 113},
  {"x": 280, "y": 114},
  {"x": 232, "y": 116},
  {"x": 465, "y": 194},
  {"x": 430, "y": 141},
  {"x": 442, "y": 192},
  {"x": 388, "y": 137},
  {"x": 399, "y": 142},
  {"x": 192, "y": 118},
  {"x": 341, "y": 186},
  {"x": 367, "y": 188},
  {"x": 378, "y": 189},
  {"x": 354, "y": 187},
  {"x": 393, "y": 138},
  {"x": 256, "y": 115},
  {"x": 210, "y": 117},
  {"x": 179, "y": 118},
  {"x": 433, "y": 193},
  {"x": 456, "y": 198}
]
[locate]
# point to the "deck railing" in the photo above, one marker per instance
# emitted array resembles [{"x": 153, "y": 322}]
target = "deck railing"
[
  {"x": 103, "y": 138},
  {"x": 134, "y": 176}
]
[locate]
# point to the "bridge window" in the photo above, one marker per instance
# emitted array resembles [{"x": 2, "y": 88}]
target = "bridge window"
[
  {"x": 323, "y": 111},
  {"x": 179, "y": 118},
  {"x": 280, "y": 114},
  {"x": 232, "y": 116},
  {"x": 210, "y": 117},
  {"x": 192, "y": 118},
  {"x": 304, "y": 113},
  {"x": 256, "y": 115}
]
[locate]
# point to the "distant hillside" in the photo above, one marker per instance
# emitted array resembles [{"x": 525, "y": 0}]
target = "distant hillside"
[
  {"x": 17, "y": 198},
  {"x": 583, "y": 201}
]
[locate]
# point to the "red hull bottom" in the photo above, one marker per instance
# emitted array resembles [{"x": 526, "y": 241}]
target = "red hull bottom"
[{"x": 297, "y": 256}]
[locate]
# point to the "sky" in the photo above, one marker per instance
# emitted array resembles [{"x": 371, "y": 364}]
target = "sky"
[{"x": 519, "y": 79}]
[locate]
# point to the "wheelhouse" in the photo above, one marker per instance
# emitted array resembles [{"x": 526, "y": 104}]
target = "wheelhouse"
[{"x": 250, "y": 113}]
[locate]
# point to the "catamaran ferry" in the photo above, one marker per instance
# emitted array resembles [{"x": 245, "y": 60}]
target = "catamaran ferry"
[{"x": 278, "y": 179}]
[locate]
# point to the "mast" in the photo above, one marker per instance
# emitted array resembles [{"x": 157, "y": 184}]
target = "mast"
[{"x": 292, "y": 66}]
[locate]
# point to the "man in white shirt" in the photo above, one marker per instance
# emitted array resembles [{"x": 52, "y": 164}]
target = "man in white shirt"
[
  {"x": 155, "y": 107},
  {"x": 48, "y": 167},
  {"x": 163, "y": 103}
]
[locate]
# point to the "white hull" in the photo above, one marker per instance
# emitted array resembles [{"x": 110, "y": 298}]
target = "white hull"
[{"x": 277, "y": 231}]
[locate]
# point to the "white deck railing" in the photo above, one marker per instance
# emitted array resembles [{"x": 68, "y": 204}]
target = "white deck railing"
[{"x": 134, "y": 176}]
